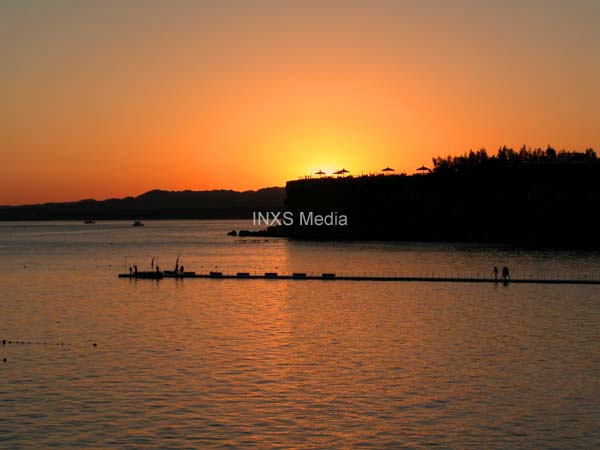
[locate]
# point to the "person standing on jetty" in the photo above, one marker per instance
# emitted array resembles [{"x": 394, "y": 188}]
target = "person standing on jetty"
[
  {"x": 505, "y": 273},
  {"x": 495, "y": 273}
]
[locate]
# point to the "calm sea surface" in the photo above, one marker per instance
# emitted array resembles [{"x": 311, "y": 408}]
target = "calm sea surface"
[{"x": 202, "y": 363}]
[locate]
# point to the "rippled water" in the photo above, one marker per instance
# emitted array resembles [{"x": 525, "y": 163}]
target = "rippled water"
[{"x": 202, "y": 363}]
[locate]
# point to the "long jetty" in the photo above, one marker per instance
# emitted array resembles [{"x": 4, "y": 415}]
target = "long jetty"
[{"x": 328, "y": 276}]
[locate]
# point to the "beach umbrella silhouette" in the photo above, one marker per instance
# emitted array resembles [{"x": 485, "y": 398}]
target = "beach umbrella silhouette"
[
  {"x": 341, "y": 172},
  {"x": 388, "y": 169},
  {"x": 320, "y": 173},
  {"x": 424, "y": 169}
]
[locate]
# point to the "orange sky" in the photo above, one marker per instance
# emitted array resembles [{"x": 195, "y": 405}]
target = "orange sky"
[{"x": 116, "y": 98}]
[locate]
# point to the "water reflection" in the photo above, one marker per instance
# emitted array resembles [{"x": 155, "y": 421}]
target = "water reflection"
[{"x": 310, "y": 364}]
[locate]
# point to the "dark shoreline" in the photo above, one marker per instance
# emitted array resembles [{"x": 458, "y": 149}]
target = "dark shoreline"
[
  {"x": 529, "y": 199},
  {"x": 157, "y": 204},
  {"x": 509, "y": 245}
]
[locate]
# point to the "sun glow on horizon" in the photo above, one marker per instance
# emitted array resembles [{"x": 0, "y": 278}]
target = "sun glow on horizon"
[{"x": 110, "y": 99}]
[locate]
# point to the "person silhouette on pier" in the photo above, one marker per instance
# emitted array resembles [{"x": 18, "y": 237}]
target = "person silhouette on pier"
[
  {"x": 505, "y": 273},
  {"x": 130, "y": 270},
  {"x": 495, "y": 273},
  {"x": 181, "y": 270},
  {"x": 135, "y": 269},
  {"x": 157, "y": 269}
]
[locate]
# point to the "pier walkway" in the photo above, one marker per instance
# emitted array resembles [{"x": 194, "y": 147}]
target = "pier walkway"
[{"x": 427, "y": 278}]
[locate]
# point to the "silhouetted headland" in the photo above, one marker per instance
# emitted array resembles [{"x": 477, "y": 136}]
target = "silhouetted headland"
[
  {"x": 537, "y": 197},
  {"x": 156, "y": 204}
]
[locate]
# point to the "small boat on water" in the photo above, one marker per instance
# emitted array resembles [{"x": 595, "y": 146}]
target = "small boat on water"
[
  {"x": 89, "y": 221},
  {"x": 138, "y": 223}
]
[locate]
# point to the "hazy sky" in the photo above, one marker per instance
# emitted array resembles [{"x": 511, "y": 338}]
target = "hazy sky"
[{"x": 113, "y": 98}]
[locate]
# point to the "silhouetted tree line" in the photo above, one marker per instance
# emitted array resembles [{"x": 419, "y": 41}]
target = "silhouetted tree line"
[
  {"x": 507, "y": 157},
  {"x": 526, "y": 197}
]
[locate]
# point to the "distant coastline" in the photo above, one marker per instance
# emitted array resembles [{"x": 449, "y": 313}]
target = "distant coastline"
[
  {"x": 535, "y": 197},
  {"x": 156, "y": 204}
]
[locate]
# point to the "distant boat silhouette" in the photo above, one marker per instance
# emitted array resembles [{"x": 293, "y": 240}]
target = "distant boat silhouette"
[{"x": 138, "y": 223}]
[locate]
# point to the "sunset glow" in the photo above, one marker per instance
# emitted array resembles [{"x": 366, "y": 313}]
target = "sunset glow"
[
  {"x": 333, "y": 224},
  {"x": 112, "y": 99}
]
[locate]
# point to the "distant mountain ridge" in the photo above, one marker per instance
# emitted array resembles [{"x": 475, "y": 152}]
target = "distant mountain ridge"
[{"x": 156, "y": 204}]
